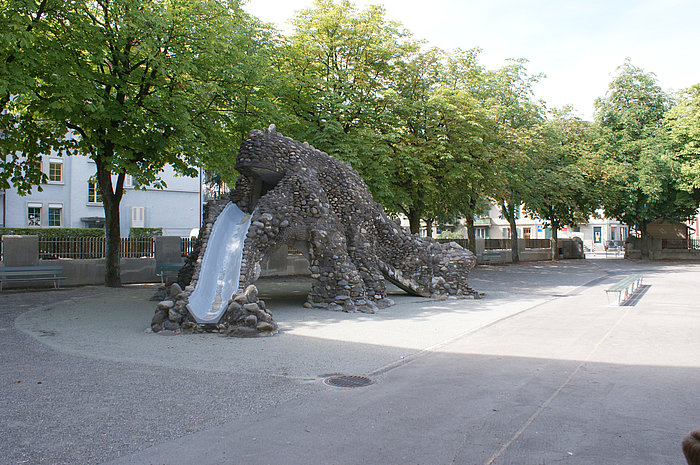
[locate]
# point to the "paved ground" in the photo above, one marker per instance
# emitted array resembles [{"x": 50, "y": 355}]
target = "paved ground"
[{"x": 540, "y": 371}]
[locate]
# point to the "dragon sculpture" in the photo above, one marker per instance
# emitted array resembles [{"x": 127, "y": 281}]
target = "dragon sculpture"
[{"x": 300, "y": 196}]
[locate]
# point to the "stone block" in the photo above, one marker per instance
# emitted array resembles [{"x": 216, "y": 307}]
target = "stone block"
[
  {"x": 20, "y": 250},
  {"x": 168, "y": 249}
]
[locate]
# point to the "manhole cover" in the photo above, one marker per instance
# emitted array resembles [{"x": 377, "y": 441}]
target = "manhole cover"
[{"x": 348, "y": 381}]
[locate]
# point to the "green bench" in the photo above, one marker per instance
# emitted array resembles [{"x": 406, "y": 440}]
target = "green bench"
[
  {"x": 167, "y": 270},
  {"x": 489, "y": 256},
  {"x": 32, "y": 273},
  {"x": 624, "y": 288}
]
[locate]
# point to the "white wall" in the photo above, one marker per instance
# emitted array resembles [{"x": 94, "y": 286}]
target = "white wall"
[{"x": 176, "y": 209}]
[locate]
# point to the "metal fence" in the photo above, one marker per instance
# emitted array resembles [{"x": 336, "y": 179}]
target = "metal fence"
[
  {"x": 681, "y": 244},
  {"x": 187, "y": 245},
  {"x": 93, "y": 247},
  {"x": 503, "y": 244}
]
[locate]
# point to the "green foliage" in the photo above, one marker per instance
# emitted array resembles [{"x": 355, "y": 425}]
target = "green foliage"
[
  {"x": 338, "y": 67},
  {"x": 450, "y": 235},
  {"x": 145, "y": 233},
  {"x": 682, "y": 131},
  {"x": 642, "y": 177},
  {"x": 54, "y": 232},
  {"x": 136, "y": 84},
  {"x": 26, "y": 50}
]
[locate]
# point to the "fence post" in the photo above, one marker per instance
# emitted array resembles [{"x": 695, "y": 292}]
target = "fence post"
[
  {"x": 168, "y": 249},
  {"x": 20, "y": 250}
]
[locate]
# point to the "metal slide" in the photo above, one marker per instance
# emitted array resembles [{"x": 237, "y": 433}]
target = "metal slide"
[{"x": 221, "y": 265}]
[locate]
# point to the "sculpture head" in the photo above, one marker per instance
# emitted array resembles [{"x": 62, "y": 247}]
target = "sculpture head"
[{"x": 266, "y": 156}]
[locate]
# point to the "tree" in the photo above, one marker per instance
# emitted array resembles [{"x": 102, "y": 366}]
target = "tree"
[
  {"x": 141, "y": 84},
  {"x": 25, "y": 134},
  {"x": 463, "y": 126},
  {"x": 643, "y": 180},
  {"x": 682, "y": 131},
  {"x": 562, "y": 188},
  {"x": 338, "y": 67},
  {"x": 517, "y": 117}
]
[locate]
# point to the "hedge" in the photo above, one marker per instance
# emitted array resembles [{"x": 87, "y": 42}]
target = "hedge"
[
  {"x": 54, "y": 232},
  {"x": 145, "y": 233}
]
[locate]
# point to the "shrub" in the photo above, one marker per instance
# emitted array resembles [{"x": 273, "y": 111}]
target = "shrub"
[
  {"x": 145, "y": 233},
  {"x": 450, "y": 235},
  {"x": 46, "y": 233}
]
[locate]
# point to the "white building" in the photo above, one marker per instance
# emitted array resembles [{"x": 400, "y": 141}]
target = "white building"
[
  {"x": 595, "y": 234},
  {"x": 70, "y": 199}
]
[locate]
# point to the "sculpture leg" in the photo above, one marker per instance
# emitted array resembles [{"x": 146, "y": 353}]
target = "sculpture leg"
[{"x": 338, "y": 285}]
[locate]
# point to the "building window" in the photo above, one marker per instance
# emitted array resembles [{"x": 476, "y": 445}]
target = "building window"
[
  {"x": 138, "y": 219},
  {"x": 527, "y": 233},
  {"x": 482, "y": 233},
  {"x": 94, "y": 195},
  {"x": 55, "y": 171},
  {"x": 506, "y": 233},
  {"x": 34, "y": 215},
  {"x": 55, "y": 213}
]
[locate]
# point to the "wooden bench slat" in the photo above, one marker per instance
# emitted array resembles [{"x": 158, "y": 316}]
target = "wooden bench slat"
[{"x": 31, "y": 273}]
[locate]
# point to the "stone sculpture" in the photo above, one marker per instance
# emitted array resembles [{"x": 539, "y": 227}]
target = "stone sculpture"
[{"x": 302, "y": 197}]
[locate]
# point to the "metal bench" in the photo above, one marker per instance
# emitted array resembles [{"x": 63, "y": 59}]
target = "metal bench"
[
  {"x": 167, "y": 270},
  {"x": 624, "y": 288},
  {"x": 32, "y": 273}
]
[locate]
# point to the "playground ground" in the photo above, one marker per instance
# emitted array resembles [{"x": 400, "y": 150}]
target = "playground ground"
[{"x": 540, "y": 371}]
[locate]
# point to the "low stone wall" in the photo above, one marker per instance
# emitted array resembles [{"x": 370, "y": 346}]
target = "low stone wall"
[
  {"x": 568, "y": 248},
  {"x": 633, "y": 251}
]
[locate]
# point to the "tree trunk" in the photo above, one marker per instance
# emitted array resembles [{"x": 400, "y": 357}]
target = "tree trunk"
[
  {"x": 509, "y": 212},
  {"x": 471, "y": 233},
  {"x": 514, "y": 252},
  {"x": 555, "y": 240},
  {"x": 113, "y": 234},
  {"x": 429, "y": 228},
  {"x": 469, "y": 220},
  {"x": 414, "y": 220},
  {"x": 111, "y": 199},
  {"x": 645, "y": 242}
]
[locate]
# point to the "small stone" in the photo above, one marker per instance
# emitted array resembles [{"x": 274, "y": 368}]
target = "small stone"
[
  {"x": 241, "y": 299},
  {"x": 175, "y": 290},
  {"x": 349, "y": 306},
  {"x": 159, "y": 317},
  {"x": 251, "y": 320},
  {"x": 166, "y": 305},
  {"x": 251, "y": 293},
  {"x": 171, "y": 325},
  {"x": 265, "y": 326},
  {"x": 251, "y": 307},
  {"x": 242, "y": 331},
  {"x": 174, "y": 316}
]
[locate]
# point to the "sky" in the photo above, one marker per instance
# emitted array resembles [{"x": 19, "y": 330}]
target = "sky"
[{"x": 576, "y": 44}]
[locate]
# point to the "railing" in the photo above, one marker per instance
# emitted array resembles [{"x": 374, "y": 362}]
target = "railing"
[
  {"x": 187, "y": 245},
  {"x": 93, "y": 247},
  {"x": 681, "y": 244},
  {"x": 503, "y": 244}
]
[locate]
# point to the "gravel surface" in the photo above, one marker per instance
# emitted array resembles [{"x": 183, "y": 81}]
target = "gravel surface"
[
  {"x": 84, "y": 382},
  {"x": 59, "y": 408}
]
